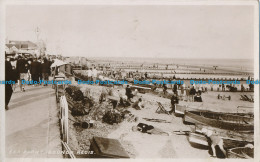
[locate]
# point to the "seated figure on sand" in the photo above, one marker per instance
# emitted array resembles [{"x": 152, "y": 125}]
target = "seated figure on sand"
[
  {"x": 135, "y": 92},
  {"x": 104, "y": 93},
  {"x": 123, "y": 101},
  {"x": 138, "y": 104},
  {"x": 197, "y": 98}
]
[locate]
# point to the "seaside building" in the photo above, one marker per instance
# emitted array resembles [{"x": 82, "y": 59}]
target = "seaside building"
[{"x": 13, "y": 47}]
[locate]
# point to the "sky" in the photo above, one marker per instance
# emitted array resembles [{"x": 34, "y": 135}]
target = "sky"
[{"x": 173, "y": 31}]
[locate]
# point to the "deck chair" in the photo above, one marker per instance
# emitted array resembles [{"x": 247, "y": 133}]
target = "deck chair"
[
  {"x": 161, "y": 109},
  {"x": 242, "y": 97},
  {"x": 251, "y": 98},
  {"x": 247, "y": 98}
]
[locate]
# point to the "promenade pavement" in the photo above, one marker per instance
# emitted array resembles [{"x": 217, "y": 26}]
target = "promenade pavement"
[{"x": 32, "y": 124}]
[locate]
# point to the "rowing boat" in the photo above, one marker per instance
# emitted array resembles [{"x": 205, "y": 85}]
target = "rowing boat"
[
  {"x": 180, "y": 109},
  {"x": 238, "y": 135},
  {"x": 241, "y": 152},
  {"x": 199, "y": 140},
  {"x": 226, "y": 121}
]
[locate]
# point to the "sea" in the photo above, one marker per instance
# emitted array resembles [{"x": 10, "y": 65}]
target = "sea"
[{"x": 245, "y": 64}]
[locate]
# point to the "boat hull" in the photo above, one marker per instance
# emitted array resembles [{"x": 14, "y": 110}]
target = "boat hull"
[
  {"x": 235, "y": 122},
  {"x": 180, "y": 109},
  {"x": 240, "y": 152},
  {"x": 238, "y": 135},
  {"x": 201, "y": 141},
  {"x": 198, "y": 140}
]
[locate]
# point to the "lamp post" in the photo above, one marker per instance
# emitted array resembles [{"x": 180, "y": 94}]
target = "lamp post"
[{"x": 37, "y": 33}]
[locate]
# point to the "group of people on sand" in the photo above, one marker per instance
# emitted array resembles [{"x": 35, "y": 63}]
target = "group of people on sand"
[
  {"x": 124, "y": 100},
  {"x": 92, "y": 74},
  {"x": 188, "y": 94}
]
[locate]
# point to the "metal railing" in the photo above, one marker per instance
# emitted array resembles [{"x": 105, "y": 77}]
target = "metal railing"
[{"x": 64, "y": 110}]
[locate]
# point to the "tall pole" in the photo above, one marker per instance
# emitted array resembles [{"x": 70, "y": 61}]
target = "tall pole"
[{"x": 37, "y": 33}]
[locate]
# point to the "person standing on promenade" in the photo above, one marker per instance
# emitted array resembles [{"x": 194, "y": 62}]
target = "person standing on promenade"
[
  {"x": 15, "y": 77},
  {"x": 35, "y": 70},
  {"x": 13, "y": 62},
  {"x": 45, "y": 69},
  {"x": 29, "y": 69},
  {"x": 8, "y": 87},
  {"x": 50, "y": 63},
  {"x": 22, "y": 71},
  {"x": 40, "y": 67}
]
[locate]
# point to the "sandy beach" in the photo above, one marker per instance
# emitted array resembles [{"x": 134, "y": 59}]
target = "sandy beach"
[{"x": 141, "y": 145}]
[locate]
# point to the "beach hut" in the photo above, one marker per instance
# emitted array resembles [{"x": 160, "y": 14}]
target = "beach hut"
[
  {"x": 58, "y": 63},
  {"x": 62, "y": 66}
]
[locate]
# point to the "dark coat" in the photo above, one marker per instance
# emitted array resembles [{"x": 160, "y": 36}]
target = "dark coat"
[
  {"x": 8, "y": 77},
  {"x": 128, "y": 91},
  {"x": 35, "y": 68},
  {"x": 192, "y": 91},
  {"x": 45, "y": 67},
  {"x": 175, "y": 87},
  {"x": 20, "y": 65},
  {"x": 8, "y": 71}
]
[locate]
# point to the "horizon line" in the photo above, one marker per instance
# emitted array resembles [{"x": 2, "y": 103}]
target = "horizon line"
[{"x": 159, "y": 57}]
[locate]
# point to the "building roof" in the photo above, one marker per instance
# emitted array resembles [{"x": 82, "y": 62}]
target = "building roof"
[
  {"x": 13, "y": 45},
  {"x": 21, "y": 44}
]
